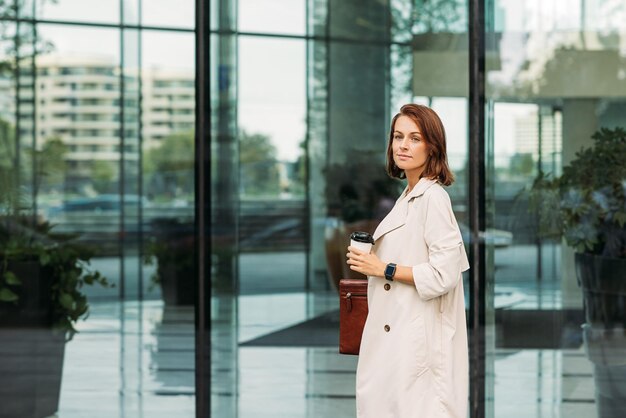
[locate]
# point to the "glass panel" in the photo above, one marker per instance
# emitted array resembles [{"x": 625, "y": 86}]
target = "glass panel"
[
  {"x": 358, "y": 20},
  {"x": 272, "y": 114},
  {"x": 168, "y": 13},
  {"x": 317, "y": 132},
  {"x": 131, "y": 12},
  {"x": 168, "y": 168},
  {"x": 28, "y": 174},
  {"x": 349, "y": 98},
  {"x": 167, "y": 205},
  {"x": 72, "y": 206},
  {"x": 48, "y": 231},
  {"x": 224, "y": 220},
  {"x": 317, "y": 17},
  {"x": 272, "y": 16},
  {"x": 555, "y": 79},
  {"x": 78, "y": 106},
  {"x": 102, "y": 11},
  {"x": 131, "y": 192},
  {"x": 25, "y": 8},
  {"x": 412, "y": 17}
]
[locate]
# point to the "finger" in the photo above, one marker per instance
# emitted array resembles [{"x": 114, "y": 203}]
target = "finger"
[
  {"x": 353, "y": 256},
  {"x": 355, "y": 250}
]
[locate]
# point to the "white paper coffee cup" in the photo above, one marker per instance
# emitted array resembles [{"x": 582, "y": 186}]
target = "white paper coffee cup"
[{"x": 362, "y": 241}]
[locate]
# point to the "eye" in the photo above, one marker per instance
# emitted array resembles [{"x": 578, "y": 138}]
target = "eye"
[
  {"x": 415, "y": 139},
  {"x": 397, "y": 137}
]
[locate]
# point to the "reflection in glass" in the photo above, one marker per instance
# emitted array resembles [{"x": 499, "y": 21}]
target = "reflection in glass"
[
  {"x": 168, "y": 13},
  {"x": 78, "y": 98},
  {"x": 272, "y": 115},
  {"x": 130, "y": 156},
  {"x": 45, "y": 273},
  {"x": 168, "y": 164},
  {"x": 272, "y": 16},
  {"x": 557, "y": 84},
  {"x": 104, "y": 11},
  {"x": 72, "y": 200}
]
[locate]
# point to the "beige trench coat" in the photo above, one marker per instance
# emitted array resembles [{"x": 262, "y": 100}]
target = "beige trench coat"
[{"x": 413, "y": 361}]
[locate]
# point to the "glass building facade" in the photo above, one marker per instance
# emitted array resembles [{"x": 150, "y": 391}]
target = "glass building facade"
[{"x": 202, "y": 164}]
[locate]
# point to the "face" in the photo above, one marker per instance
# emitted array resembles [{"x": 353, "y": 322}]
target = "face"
[{"x": 410, "y": 150}]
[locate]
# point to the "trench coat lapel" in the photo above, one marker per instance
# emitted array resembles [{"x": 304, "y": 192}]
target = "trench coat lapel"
[{"x": 397, "y": 217}]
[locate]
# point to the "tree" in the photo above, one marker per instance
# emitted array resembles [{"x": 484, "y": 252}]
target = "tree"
[
  {"x": 102, "y": 174},
  {"x": 8, "y": 175},
  {"x": 51, "y": 165},
  {"x": 522, "y": 164},
  {"x": 169, "y": 167},
  {"x": 259, "y": 173}
]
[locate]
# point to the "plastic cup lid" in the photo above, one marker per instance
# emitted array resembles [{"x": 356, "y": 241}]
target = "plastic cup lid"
[{"x": 360, "y": 236}]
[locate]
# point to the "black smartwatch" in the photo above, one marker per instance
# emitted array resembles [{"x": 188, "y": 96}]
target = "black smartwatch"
[{"x": 390, "y": 270}]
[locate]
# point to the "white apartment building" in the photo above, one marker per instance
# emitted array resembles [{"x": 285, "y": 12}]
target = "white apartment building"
[
  {"x": 78, "y": 100},
  {"x": 168, "y": 104}
]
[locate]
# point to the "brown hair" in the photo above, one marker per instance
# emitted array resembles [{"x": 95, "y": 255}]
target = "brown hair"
[{"x": 434, "y": 134}]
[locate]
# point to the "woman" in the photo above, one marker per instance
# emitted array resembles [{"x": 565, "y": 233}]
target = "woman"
[{"x": 413, "y": 360}]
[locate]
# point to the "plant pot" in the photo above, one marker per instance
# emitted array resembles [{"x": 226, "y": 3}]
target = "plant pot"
[
  {"x": 174, "y": 254},
  {"x": 603, "y": 281},
  {"x": 31, "y": 354},
  {"x": 31, "y": 368},
  {"x": 177, "y": 284}
]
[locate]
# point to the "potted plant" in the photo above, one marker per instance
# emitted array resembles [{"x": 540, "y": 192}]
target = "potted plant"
[
  {"x": 172, "y": 248},
  {"x": 41, "y": 277},
  {"x": 586, "y": 206},
  {"x": 42, "y": 274}
]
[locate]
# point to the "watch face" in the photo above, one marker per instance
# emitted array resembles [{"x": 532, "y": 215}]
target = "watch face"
[{"x": 390, "y": 271}]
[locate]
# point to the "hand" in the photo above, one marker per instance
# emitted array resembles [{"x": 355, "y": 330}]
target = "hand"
[{"x": 368, "y": 264}]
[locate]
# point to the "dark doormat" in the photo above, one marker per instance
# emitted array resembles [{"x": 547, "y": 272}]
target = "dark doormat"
[
  {"x": 539, "y": 328},
  {"x": 321, "y": 331}
]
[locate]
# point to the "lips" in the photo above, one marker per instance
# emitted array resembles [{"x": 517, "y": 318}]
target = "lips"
[{"x": 403, "y": 156}]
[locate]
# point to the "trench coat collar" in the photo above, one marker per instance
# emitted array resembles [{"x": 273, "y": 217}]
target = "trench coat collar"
[
  {"x": 397, "y": 217},
  {"x": 422, "y": 185}
]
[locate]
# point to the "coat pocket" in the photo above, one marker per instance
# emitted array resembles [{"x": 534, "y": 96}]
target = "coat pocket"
[{"x": 418, "y": 349}]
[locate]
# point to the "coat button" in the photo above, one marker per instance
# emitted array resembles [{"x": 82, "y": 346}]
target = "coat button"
[
  {"x": 387, "y": 286},
  {"x": 387, "y": 328}
]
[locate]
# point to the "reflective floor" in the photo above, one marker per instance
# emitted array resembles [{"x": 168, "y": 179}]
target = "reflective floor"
[
  {"x": 136, "y": 360},
  {"x": 274, "y": 355},
  {"x": 130, "y": 360}
]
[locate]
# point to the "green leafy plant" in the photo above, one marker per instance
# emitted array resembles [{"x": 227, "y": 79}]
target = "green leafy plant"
[
  {"x": 26, "y": 239},
  {"x": 65, "y": 262},
  {"x": 586, "y": 205}
]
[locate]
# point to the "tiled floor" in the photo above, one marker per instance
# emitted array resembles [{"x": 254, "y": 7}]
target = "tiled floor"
[
  {"x": 135, "y": 359},
  {"x": 130, "y": 360}
]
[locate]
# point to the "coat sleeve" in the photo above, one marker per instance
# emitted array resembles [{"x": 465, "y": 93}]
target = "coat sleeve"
[{"x": 446, "y": 253}]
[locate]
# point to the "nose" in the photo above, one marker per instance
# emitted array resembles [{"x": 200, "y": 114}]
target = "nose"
[{"x": 404, "y": 144}]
